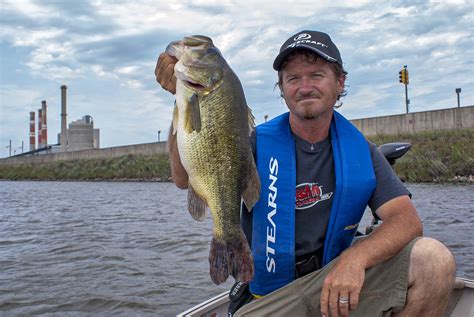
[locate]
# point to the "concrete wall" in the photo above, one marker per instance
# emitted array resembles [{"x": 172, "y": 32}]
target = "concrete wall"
[
  {"x": 444, "y": 119},
  {"x": 145, "y": 149}
]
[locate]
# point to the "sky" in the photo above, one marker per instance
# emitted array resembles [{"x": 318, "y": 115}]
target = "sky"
[{"x": 106, "y": 51}]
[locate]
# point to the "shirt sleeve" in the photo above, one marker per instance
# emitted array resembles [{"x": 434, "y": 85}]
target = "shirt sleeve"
[{"x": 388, "y": 184}]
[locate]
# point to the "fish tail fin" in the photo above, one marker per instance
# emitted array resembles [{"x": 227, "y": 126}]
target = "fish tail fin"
[
  {"x": 230, "y": 257},
  {"x": 251, "y": 192}
]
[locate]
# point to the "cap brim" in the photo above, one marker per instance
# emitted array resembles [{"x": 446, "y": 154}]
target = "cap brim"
[{"x": 284, "y": 54}]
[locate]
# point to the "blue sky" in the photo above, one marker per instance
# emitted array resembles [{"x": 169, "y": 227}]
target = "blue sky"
[{"x": 105, "y": 52}]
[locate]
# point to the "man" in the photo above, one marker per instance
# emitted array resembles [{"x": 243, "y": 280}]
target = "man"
[{"x": 318, "y": 174}]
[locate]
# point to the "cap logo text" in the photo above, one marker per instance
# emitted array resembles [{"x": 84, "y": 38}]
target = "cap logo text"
[
  {"x": 302, "y": 36},
  {"x": 306, "y": 42}
]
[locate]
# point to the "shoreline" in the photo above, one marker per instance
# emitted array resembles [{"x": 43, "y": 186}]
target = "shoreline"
[
  {"x": 462, "y": 180},
  {"x": 435, "y": 157}
]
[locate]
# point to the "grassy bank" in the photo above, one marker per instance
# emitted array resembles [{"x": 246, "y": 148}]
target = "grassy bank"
[
  {"x": 438, "y": 156},
  {"x": 129, "y": 167},
  {"x": 441, "y": 156}
]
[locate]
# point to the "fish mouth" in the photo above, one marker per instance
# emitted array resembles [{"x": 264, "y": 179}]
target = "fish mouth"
[
  {"x": 189, "y": 82},
  {"x": 194, "y": 85}
]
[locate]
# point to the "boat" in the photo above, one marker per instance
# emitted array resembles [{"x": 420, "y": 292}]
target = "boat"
[{"x": 461, "y": 302}]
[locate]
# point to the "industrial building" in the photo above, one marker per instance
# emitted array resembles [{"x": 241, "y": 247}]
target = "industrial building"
[{"x": 80, "y": 135}]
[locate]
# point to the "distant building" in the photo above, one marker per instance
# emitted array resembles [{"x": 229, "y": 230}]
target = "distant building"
[{"x": 81, "y": 135}]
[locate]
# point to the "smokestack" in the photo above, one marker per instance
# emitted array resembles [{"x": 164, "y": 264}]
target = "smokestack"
[
  {"x": 64, "y": 136},
  {"x": 44, "y": 127},
  {"x": 32, "y": 131},
  {"x": 40, "y": 139}
]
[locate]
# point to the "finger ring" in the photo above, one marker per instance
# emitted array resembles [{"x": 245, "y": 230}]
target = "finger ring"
[{"x": 343, "y": 300}]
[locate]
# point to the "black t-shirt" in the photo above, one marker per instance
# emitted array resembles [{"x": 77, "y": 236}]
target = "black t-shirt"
[{"x": 315, "y": 184}]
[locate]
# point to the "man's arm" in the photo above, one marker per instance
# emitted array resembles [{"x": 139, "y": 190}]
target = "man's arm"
[
  {"x": 178, "y": 173},
  {"x": 401, "y": 224},
  {"x": 164, "y": 73}
]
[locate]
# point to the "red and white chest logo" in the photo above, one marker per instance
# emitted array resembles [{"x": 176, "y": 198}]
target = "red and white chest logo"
[{"x": 309, "y": 194}]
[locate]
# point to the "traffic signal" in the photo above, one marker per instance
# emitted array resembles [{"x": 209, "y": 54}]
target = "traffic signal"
[{"x": 403, "y": 76}]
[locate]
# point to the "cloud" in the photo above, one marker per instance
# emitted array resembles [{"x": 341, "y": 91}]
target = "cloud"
[{"x": 106, "y": 51}]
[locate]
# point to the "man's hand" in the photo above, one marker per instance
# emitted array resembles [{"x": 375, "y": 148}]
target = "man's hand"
[
  {"x": 342, "y": 286},
  {"x": 164, "y": 72},
  {"x": 347, "y": 276}
]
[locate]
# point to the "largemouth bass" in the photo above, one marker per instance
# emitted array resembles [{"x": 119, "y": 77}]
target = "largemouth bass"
[{"x": 213, "y": 124}]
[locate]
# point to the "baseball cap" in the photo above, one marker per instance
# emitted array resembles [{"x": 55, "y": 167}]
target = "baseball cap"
[{"x": 317, "y": 42}]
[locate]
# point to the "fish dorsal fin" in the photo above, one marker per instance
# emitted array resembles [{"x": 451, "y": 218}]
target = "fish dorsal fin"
[
  {"x": 192, "y": 114},
  {"x": 251, "y": 120},
  {"x": 196, "y": 206}
]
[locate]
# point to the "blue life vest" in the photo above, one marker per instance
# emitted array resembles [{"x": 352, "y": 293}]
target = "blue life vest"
[{"x": 273, "y": 233}]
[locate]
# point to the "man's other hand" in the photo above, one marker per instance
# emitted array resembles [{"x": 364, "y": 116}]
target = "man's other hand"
[
  {"x": 342, "y": 286},
  {"x": 164, "y": 72}
]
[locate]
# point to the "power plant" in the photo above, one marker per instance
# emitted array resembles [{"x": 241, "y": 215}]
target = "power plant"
[
  {"x": 81, "y": 134},
  {"x": 63, "y": 135},
  {"x": 32, "y": 131}
]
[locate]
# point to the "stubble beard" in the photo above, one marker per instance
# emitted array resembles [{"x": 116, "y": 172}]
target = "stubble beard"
[{"x": 310, "y": 114}]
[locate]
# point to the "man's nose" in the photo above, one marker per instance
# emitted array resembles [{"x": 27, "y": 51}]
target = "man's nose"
[{"x": 306, "y": 85}]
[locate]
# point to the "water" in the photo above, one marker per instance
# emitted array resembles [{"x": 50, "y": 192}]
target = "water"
[{"x": 126, "y": 249}]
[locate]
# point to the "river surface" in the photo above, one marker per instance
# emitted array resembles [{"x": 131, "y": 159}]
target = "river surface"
[{"x": 132, "y": 249}]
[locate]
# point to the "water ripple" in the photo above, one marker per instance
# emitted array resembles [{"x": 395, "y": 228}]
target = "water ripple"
[{"x": 132, "y": 249}]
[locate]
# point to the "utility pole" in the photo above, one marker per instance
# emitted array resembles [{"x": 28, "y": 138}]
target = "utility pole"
[
  {"x": 458, "y": 91},
  {"x": 403, "y": 76}
]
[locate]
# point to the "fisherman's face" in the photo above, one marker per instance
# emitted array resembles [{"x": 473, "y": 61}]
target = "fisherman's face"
[{"x": 310, "y": 89}]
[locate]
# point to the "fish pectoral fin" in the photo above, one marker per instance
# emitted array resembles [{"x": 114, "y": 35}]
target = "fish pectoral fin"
[
  {"x": 196, "y": 206},
  {"x": 192, "y": 115},
  {"x": 251, "y": 192},
  {"x": 175, "y": 118}
]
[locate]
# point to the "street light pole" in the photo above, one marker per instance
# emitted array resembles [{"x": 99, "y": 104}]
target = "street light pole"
[
  {"x": 159, "y": 131},
  {"x": 407, "y": 101},
  {"x": 403, "y": 75},
  {"x": 458, "y": 91}
]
